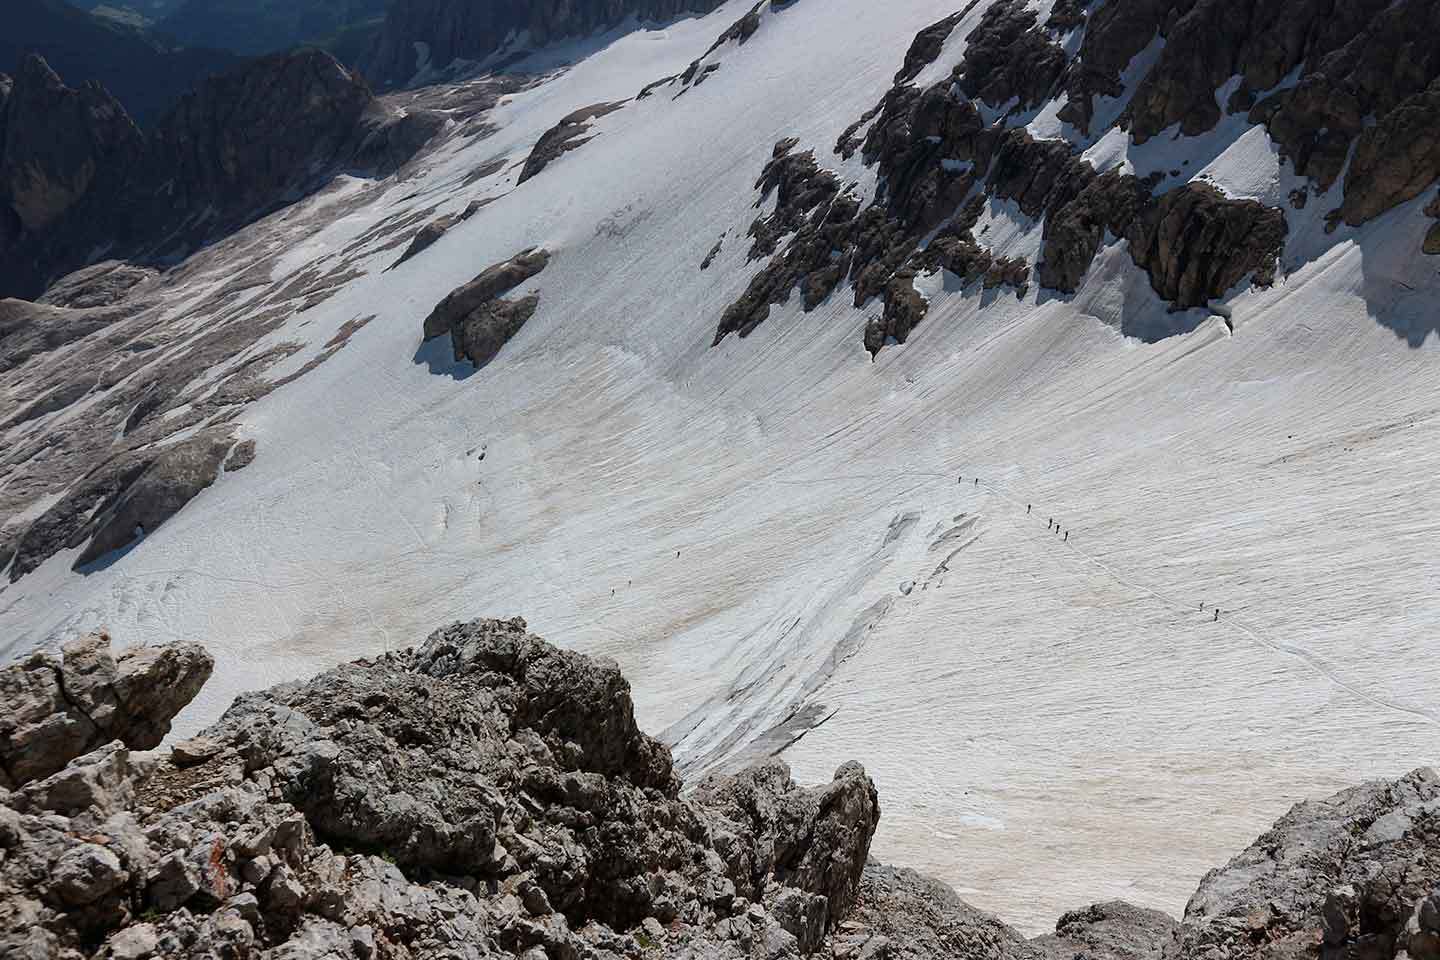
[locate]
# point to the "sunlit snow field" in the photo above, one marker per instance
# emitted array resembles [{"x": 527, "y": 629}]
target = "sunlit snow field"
[{"x": 1049, "y": 722}]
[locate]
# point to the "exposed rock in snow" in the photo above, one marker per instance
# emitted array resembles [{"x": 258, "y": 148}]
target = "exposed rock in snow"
[
  {"x": 477, "y": 317},
  {"x": 933, "y": 151},
  {"x": 426, "y": 236},
  {"x": 1009, "y": 59},
  {"x": 1396, "y": 159},
  {"x": 926, "y": 47},
  {"x": 567, "y": 135}
]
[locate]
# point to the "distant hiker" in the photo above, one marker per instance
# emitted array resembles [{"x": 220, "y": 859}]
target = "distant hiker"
[
  {"x": 677, "y": 554},
  {"x": 612, "y": 591},
  {"x": 1027, "y": 509},
  {"x": 1217, "y": 613},
  {"x": 960, "y": 479},
  {"x": 977, "y": 481},
  {"x": 1067, "y": 536}
]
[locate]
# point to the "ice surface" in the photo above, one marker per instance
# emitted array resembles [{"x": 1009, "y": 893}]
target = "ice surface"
[{"x": 1050, "y": 723}]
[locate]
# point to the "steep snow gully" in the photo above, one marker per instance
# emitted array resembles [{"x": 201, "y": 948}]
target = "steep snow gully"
[{"x": 781, "y": 540}]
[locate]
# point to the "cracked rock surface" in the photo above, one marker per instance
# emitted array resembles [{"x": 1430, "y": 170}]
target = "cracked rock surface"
[
  {"x": 57, "y": 708},
  {"x": 487, "y": 794}
]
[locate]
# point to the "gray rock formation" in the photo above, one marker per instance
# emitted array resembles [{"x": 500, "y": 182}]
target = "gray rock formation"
[
  {"x": 478, "y": 318},
  {"x": 77, "y": 175},
  {"x": 937, "y": 160},
  {"x": 446, "y": 30},
  {"x": 1353, "y": 875},
  {"x": 1114, "y": 930},
  {"x": 484, "y": 795},
  {"x": 57, "y": 708},
  {"x": 118, "y": 505},
  {"x": 488, "y": 795},
  {"x": 567, "y": 135}
]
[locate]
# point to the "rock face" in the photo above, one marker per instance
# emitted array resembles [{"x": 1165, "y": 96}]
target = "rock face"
[
  {"x": 938, "y": 151},
  {"x": 116, "y": 506},
  {"x": 478, "y": 318},
  {"x": 446, "y": 30},
  {"x": 487, "y": 795},
  {"x": 483, "y": 795},
  {"x": 565, "y": 136},
  {"x": 77, "y": 175},
  {"x": 57, "y": 708},
  {"x": 1352, "y": 875}
]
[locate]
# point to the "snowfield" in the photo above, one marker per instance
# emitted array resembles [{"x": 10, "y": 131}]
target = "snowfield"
[{"x": 783, "y": 543}]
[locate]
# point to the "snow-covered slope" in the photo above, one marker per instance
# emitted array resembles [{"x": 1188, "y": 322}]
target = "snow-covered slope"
[{"x": 780, "y": 538}]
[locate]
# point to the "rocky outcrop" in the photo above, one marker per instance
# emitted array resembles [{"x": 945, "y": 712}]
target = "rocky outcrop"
[
  {"x": 476, "y": 315},
  {"x": 704, "y": 66},
  {"x": 567, "y": 135},
  {"x": 939, "y": 162},
  {"x": 125, "y": 499},
  {"x": 58, "y": 708},
  {"x": 1352, "y": 875},
  {"x": 1114, "y": 930},
  {"x": 926, "y": 47},
  {"x": 27, "y": 329},
  {"x": 172, "y": 479},
  {"x": 1009, "y": 60},
  {"x": 1396, "y": 159},
  {"x": 1196, "y": 243},
  {"x": 428, "y": 35},
  {"x": 76, "y": 175},
  {"x": 484, "y": 795},
  {"x": 488, "y": 795}
]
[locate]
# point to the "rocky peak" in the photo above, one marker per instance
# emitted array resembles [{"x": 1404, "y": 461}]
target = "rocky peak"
[
  {"x": 77, "y": 175},
  {"x": 249, "y": 136}
]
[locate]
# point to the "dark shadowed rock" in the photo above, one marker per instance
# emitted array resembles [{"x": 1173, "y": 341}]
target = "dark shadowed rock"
[
  {"x": 77, "y": 176},
  {"x": 1009, "y": 57},
  {"x": 1196, "y": 243},
  {"x": 1396, "y": 159},
  {"x": 477, "y": 318},
  {"x": 171, "y": 480},
  {"x": 57, "y": 708},
  {"x": 567, "y": 135},
  {"x": 926, "y": 46},
  {"x": 425, "y": 237}
]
